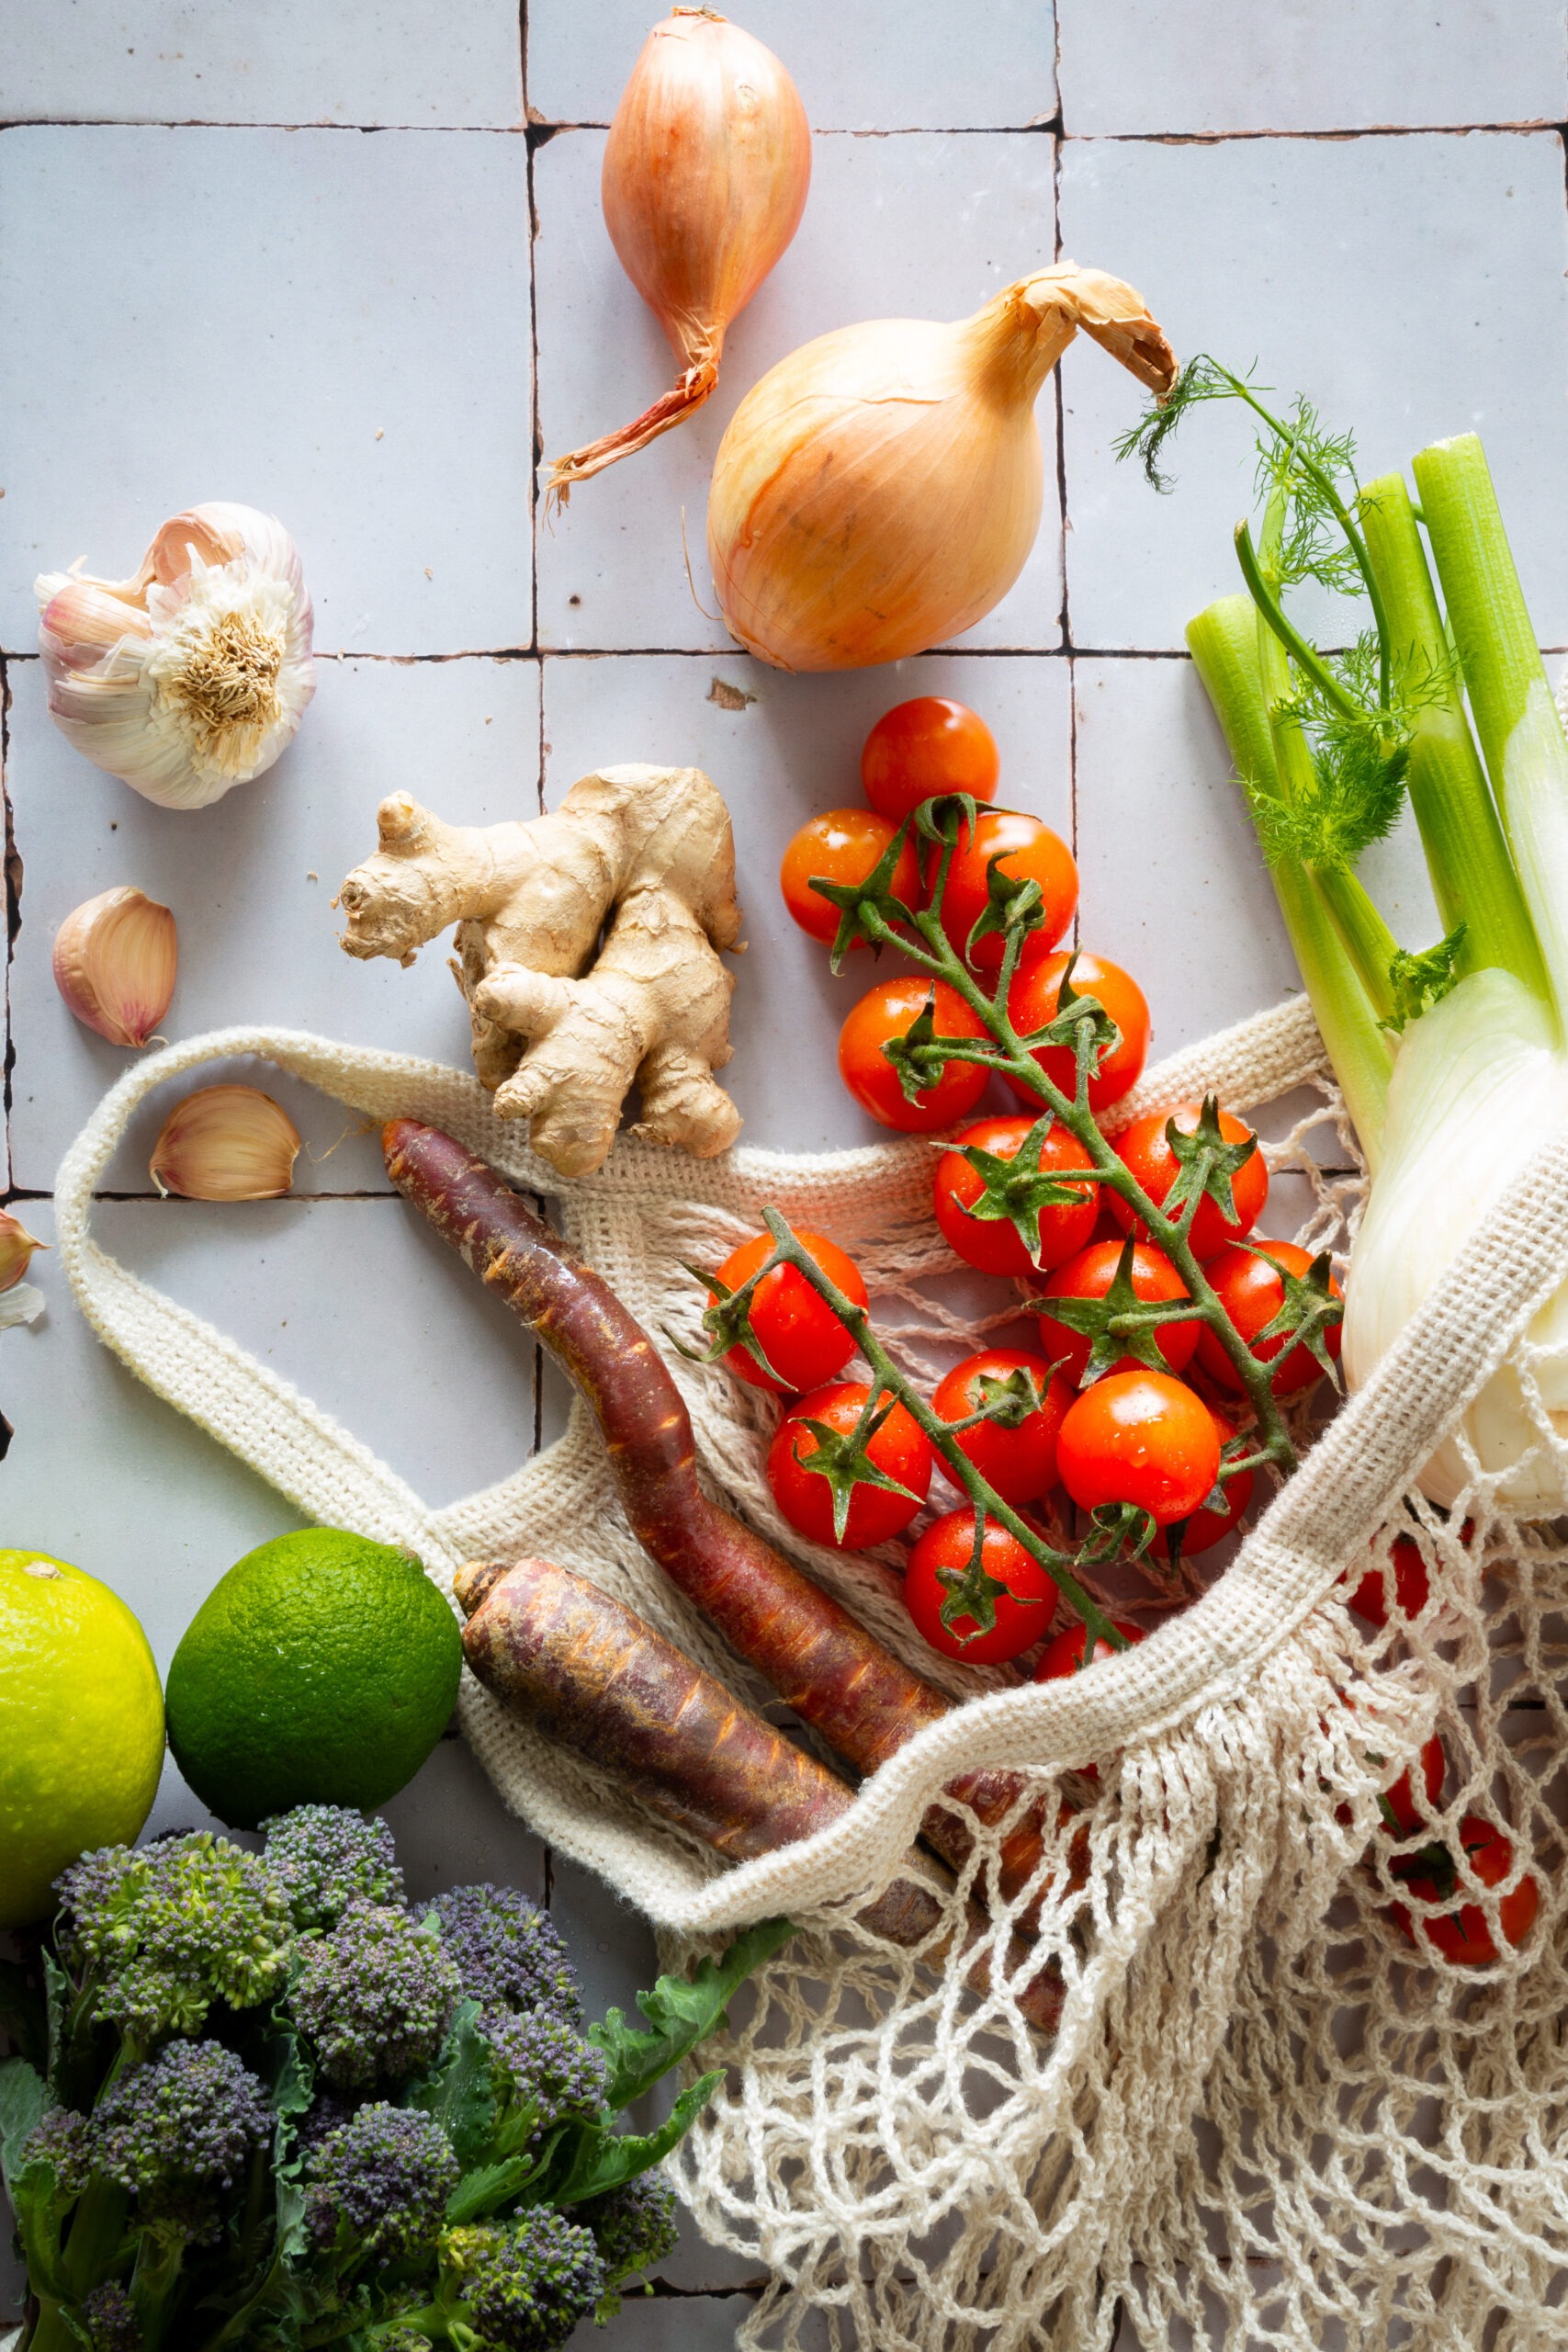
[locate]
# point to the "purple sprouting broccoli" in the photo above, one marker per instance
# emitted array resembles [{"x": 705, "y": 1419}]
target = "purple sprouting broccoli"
[
  {"x": 178, "y": 2130},
  {"x": 521, "y": 2286},
  {"x": 508, "y": 1952},
  {"x": 634, "y": 2227},
  {"x": 61, "y": 2138},
  {"x": 377, "y": 2187},
  {"x": 544, "y": 2064},
  {"x": 155, "y": 1935},
  {"x": 109, "y": 2317},
  {"x": 322, "y": 1858},
  {"x": 373, "y": 1995}
]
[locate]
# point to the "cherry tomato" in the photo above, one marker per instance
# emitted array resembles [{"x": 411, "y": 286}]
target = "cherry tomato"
[
  {"x": 1022, "y": 1611},
  {"x": 1020, "y": 1463},
  {"x": 921, "y": 749},
  {"x": 1251, "y": 1292},
  {"x": 1064, "y": 1653},
  {"x": 1147, "y": 1153},
  {"x": 797, "y": 1331},
  {"x": 995, "y": 1244},
  {"x": 899, "y": 1449},
  {"x": 841, "y": 846},
  {"x": 1463, "y": 1934},
  {"x": 1401, "y": 1798},
  {"x": 1029, "y": 851},
  {"x": 1031, "y": 1002},
  {"x": 1091, "y": 1275},
  {"x": 1141, "y": 1438},
  {"x": 1411, "y": 1584},
  {"x": 888, "y": 1010},
  {"x": 1205, "y": 1528}
]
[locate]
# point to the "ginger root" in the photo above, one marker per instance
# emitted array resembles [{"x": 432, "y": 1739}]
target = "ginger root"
[{"x": 560, "y": 1032}]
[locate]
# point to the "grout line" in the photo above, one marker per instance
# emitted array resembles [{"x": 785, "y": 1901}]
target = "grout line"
[
  {"x": 543, "y": 653},
  {"x": 542, "y": 127}
]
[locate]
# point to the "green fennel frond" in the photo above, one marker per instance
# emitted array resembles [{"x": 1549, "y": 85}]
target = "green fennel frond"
[
  {"x": 1422, "y": 977},
  {"x": 1202, "y": 380}
]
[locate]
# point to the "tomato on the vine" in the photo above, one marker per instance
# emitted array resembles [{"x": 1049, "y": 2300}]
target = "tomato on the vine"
[
  {"x": 921, "y": 749},
  {"x": 1462, "y": 1934},
  {"x": 1032, "y": 1004},
  {"x": 1029, "y": 851},
  {"x": 1401, "y": 1799},
  {"x": 1205, "y": 1528},
  {"x": 797, "y": 1331},
  {"x": 1140, "y": 1438},
  {"x": 895, "y": 1446},
  {"x": 1020, "y": 1463},
  {"x": 890, "y": 1010},
  {"x": 1146, "y": 1150},
  {"x": 1251, "y": 1291},
  {"x": 842, "y": 845},
  {"x": 1091, "y": 1275},
  {"x": 994, "y": 1243},
  {"x": 1411, "y": 1586},
  {"x": 1064, "y": 1653},
  {"x": 1019, "y": 1593}
]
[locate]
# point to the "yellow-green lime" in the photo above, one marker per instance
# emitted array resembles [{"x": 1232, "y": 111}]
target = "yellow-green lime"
[
  {"x": 81, "y": 1726},
  {"x": 322, "y": 1670}
]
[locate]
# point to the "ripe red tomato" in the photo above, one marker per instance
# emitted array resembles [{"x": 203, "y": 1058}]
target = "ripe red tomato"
[
  {"x": 1141, "y": 1438},
  {"x": 1064, "y": 1655},
  {"x": 1251, "y": 1292},
  {"x": 995, "y": 1244},
  {"x": 798, "y": 1332},
  {"x": 1022, "y": 1611},
  {"x": 1147, "y": 1153},
  {"x": 1463, "y": 1934},
  {"x": 889, "y": 1010},
  {"x": 1205, "y": 1528},
  {"x": 843, "y": 846},
  {"x": 1020, "y": 1463},
  {"x": 899, "y": 1449},
  {"x": 1401, "y": 1798},
  {"x": 1029, "y": 851},
  {"x": 1031, "y": 1002},
  {"x": 921, "y": 749},
  {"x": 1091, "y": 1275},
  {"x": 1411, "y": 1584}
]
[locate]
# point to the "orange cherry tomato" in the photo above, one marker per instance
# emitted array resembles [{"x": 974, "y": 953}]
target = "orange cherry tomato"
[
  {"x": 921, "y": 749},
  {"x": 1029, "y": 851},
  {"x": 1140, "y": 1438},
  {"x": 1091, "y": 1275},
  {"x": 995, "y": 1244},
  {"x": 1020, "y": 1463},
  {"x": 797, "y": 1331},
  {"x": 899, "y": 1449},
  {"x": 889, "y": 1010},
  {"x": 1148, "y": 1154},
  {"x": 1251, "y": 1292},
  {"x": 843, "y": 846},
  {"x": 1205, "y": 1528},
  {"x": 1023, "y": 1612},
  {"x": 1064, "y": 1653},
  {"x": 1031, "y": 1002},
  {"x": 1463, "y": 1935}
]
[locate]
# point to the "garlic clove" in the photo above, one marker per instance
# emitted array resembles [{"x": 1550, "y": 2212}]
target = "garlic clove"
[
  {"x": 226, "y": 1143},
  {"x": 16, "y": 1246},
  {"x": 115, "y": 959},
  {"x": 85, "y": 620}
]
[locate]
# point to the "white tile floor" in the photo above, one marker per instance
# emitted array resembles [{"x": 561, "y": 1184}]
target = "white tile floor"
[{"x": 213, "y": 283}]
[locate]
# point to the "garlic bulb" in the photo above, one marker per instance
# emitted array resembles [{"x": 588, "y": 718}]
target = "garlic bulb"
[
  {"x": 226, "y": 1143},
  {"x": 192, "y": 676},
  {"x": 114, "y": 964},
  {"x": 879, "y": 491},
  {"x": 16, "y": 1246}
]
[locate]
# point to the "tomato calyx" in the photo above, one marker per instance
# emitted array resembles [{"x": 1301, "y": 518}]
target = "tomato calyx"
[
  {"x": 1009, "y": 1401},
  {"x": 1017, "y": 1190},
  {"x": 1121, "y": 1324},
  {"x": 971, "y": 1591},
  {"x": 1015, "y": 906},
  {"x": 842, "y": 1458},
  {"x": 919, "y": 1056},
  {"x": 1082, "y": 1025},
  {"x": 868, "y": 911},
  {"x": 1308, "y": 1310},
  {"x": 727, "y": 1320},
  {"x": 1206, "y": 1166},
  {"x": 1117, "y": 1532}
]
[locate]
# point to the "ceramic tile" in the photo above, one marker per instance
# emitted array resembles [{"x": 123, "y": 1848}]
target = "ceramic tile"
[
  {"x": 1412, "y": 287},
  {"x": 290, "y": 62},
  {"x": 249, "y": 880},
  {"x": 241, "y": 315},
  {"x": 793, "y": 751},
  {"x": 940, "y": 224},
  {"x": 1134, "y": 65},
  {"x": 877, "y": 66}
]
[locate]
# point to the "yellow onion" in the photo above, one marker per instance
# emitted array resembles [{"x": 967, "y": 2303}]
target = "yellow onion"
[
  {"x": 226, "y": 1143},
  {"x": 115, "y": 959},
  {"x": 880, "y": 490},
  {"x": 705, "y": 173}
]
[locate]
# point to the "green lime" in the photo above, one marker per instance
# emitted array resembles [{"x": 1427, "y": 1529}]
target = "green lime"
[
  {"x": 322, "y": 1670},
  {"x": 81, "y": 1726}
]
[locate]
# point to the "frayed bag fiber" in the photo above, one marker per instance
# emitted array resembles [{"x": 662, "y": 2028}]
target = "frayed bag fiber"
[{"x": 1270, "y": 2114}]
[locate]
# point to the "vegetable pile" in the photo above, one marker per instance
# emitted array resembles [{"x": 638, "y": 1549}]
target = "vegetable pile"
[{"x": 267, "y": 2102}]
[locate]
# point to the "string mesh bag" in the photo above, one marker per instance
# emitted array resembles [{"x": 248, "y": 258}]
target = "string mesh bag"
[{"x": 1273, "y": 2110}]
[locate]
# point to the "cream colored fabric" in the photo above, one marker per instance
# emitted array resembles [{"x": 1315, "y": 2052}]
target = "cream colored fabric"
[{"x": 1265, "y": 2117}]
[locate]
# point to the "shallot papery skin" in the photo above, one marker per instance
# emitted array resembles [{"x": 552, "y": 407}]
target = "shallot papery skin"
[
  {"x": 879, "y": 490},
  {"x": 706, "y": 169}
]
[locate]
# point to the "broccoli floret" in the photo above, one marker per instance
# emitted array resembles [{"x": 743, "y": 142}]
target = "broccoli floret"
[
  {"x": 542, "y": 2062},
  {"x": 165, "y": 1930},
  {"x": 179, "y": 2128},
  {"x": 63, "y": 2139},
  {"x": 508, "y": 1951},
  {"x": 525, "y": 2284},
  {"x": 376, "y": 2187},
  {"x": 374, "y": 1994},
  {"x": 109, "y": 2319},
  {"x": 633, "y": 2227},
  {"x": 324, "y": 1857}
]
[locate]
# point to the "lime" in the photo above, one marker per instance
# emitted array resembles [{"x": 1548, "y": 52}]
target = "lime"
[
  {"x": 81, "y": 1726},
  {"x": 322, "y": 1670}
]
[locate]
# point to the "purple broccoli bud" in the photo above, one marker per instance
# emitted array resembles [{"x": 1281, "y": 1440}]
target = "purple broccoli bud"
[
  {"x": 509, "y": 1953},
  {"x": 374, "y": 1996},
  {"x": 381, "y": 2180}
]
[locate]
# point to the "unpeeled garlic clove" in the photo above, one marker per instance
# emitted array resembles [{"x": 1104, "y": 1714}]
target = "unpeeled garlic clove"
[
  {"x": 16, "y": 1246},
  {"x": 115, "y": 959},
  {"x": 226, "y": 1143}
]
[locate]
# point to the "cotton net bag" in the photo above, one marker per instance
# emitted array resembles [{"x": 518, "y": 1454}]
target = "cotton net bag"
[{"x": 1269, "y": 2115}]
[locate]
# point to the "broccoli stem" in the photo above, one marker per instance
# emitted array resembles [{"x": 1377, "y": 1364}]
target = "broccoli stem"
[{"x": 48, "y": 2330}]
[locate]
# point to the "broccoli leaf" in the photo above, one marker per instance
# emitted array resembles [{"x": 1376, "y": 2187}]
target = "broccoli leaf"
[
  {"x": 602, "y": 2159},
  {"x": 459, "y": 2091},
  {"x": 680, "y": 2014},
  {"x": 24, "y": 2097}
]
